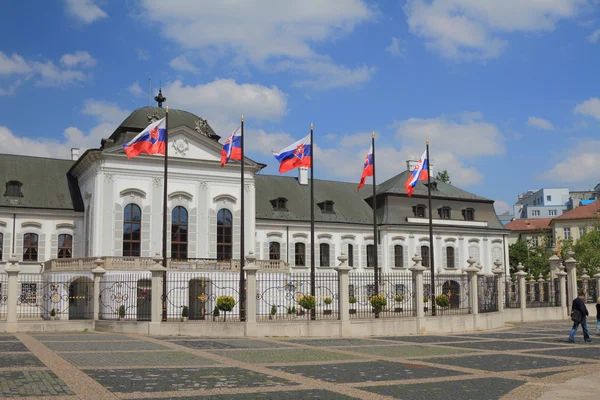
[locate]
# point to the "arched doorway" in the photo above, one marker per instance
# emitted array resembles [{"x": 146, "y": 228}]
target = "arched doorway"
[
  {"x": 452, "y": 290},
  {"x": 144, "y": 300},
  {"x": 80, "y": 298}
]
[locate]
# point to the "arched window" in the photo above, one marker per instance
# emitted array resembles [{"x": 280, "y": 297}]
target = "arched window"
[
  {"x": 30, "y": 247},
  {"x": 398, "y": 256},
  {"x": 224, "y": 234},
  {"x": 179, "y": 234},
  {"x": 1, "y": 244},
  {"x": 324, "y": 255},
  {"x": 450, "y": 257},
  {"x": 132, "y": 231},
  {"x": 65, "y": 246},
  {"x": 300, "y": 254},
  {"x": 425, "y": 256},
  {"x": 274, "y": 251}
]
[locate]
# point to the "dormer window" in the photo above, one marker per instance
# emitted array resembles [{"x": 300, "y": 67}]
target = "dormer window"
[
  {"x": 13, "y": 189},
  {"x": 419, "y": 210},
  {"x": 469, "y": 214},
  {"x": 326, "y": 207},
  {"x": 444, "y": 212},
  {"x": 279, "y": 204}
]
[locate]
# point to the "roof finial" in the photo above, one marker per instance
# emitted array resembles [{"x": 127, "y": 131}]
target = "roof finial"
[{"x": 160, "y": 98}]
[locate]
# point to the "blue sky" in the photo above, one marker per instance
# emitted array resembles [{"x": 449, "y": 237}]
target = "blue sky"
[{"x": 507, "y": 92}]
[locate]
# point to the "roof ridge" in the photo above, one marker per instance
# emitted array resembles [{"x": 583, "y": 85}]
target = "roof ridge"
[{"x": 38, "y": 157}]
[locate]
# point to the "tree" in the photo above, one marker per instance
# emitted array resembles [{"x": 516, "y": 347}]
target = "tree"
[
  {"x": 586, "y": 252},
  {"x": 533, "y": 258},
  {"x": 517, "y": 252},
  {"x": 443, "y": 176}
]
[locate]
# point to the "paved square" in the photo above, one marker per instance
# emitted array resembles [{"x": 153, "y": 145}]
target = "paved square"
[
  {"x": 582, "y": 352},
  {"x": 31, "y": 383},
  {"x": 18, "y": 360},
  {"x": 4, "y": 338},
  {"x": 288, "y": 395},
  {"x": 428, "y": 339},
  {"x": 90, "y": 337},
  {"x": 13, "y": 347},
  {"x": 162, "y": 380},
  {"x": 142, "y": 359},
  {"x": 405, "y": 351},
  {"x": 294, "y": 355},
  {"x": 104, "y": 346},
  {"x": 500, "y": 345},
  {"x": 491, "y": 388},
  {"x": 368, "y": 371},
  {"x": 503, "y": 362},
  {"x": 230, "y": 344},
  {"x": 350, "y": 342}
]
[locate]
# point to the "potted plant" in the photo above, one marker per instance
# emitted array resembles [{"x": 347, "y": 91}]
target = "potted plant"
[
  {"x": 225, "y": 304},
  {"x": 185, "y": 313},
  {"x": 442, "y": 301},
  {"x": 215, "y": 313},
  {"x": 307, "y": 302},
  {"x": 378, "y": 302},
  {"x": 352, "y": 301},
  {"x": 327, "y": 301},
  {"x": 121, "y": 312},
  {"x": 291, "y": 310},
  {"x": 399, "y": 299},
  {"x": 273, "y": 312},
  {"x": 425, "y": 303},
  {"x": 53, "y": 315}
]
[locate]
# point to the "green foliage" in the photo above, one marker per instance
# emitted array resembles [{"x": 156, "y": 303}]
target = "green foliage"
[
  {"x": 53, "y": 313},
  {"x": 185, "y": 312},
  {"x": 443, "y": 176},
  {"x": 425, "y": 299},
  {"x": 533, "y": 258},
  {"x": 291, "y": 310},
  {"x": 378, "y": 301},
  {"x": 442, "y": 300},
  {"x": 399, "y": 298},
  {"x": 216, "y": 312},
  {"x": 352, "y": 300},
  {"x": 225, "y": 303},
  {"x": 587, "y": 252},
  {"x": 273, "y": 310},
  {"x": 121, "y": 311},
  {"x": 327, "y": 300},
  {"x": 307, "y": 302}
]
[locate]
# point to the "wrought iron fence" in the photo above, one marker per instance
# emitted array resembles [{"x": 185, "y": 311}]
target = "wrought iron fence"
[
  {"x": 55, "y": 297},
  {"x": 451, "y": 294},
  {"x": 126, "y": 297},
  {"x": 487, "y": 289},
  {"x": 203, "y": 296},
  {"x": 395, "y": 289},
  {"x": 511, "y": 293},
  {"x": 3, "y": 296},
  {"x": 590, "y": 289},
  {"x": 284, "y": 297},
  {"x": 541, "y": 294}
]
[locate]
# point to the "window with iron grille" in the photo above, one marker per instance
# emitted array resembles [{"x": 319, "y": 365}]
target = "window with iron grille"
[
  {"x": 400, "y": 289},
  {"x": 351, "y": 291},
  {"x": 29, "y": 293},
  {"x": 370, "y": 291}
]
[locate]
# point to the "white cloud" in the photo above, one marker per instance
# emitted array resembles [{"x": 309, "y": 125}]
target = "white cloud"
[
  {"x": 85, "y": 11},
  {"x": 540, "y": 123},
  {"x": 51, "y": 75},
  {"x": 583, "y": 156},
  {"x": 502, "y": 207},
  {"x": 142, "y": 55},
  {"x": 589, "y": 108},
  {"x": 79, "y": 58},
  {"x": 397, "y": 47},
  {"x": 135, "y": 89},
  {"x": 14, "y": 64},
  {"x": 104, "y": 111},
  {"x": 181, "y": 63},
  {"x": 593, "y": 38},
  {"x": 269, "y": 34},
  {"x": 472, "y": 29}
]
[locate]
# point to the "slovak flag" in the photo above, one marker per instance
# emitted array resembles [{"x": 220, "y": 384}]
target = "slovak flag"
[
  {"x": 149, "y": 141},
  {"x": 420, "y": 172},
  {"x": 232, "y": 149},
  {"x": 368, "y": 168},
  {"x": 295, "y": 156}
]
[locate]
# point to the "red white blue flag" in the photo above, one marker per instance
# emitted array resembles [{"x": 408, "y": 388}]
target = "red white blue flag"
[
  {"x": 232, "y": 149},
  {"x": 368, "y": 168},
  {"x": 149, "y": 141},
  {"x": 295, "y": 156},
  {"x": 420, "y": 172}
]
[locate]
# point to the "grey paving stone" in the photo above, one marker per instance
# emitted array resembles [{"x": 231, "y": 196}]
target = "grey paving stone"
[
  {"x": 4, "y": 338},
  {"x": 20, "y": 360},
  {"x": 143, "y": 359},
  {"x": 229, "y": 344},
  {"x": 336, "y": 342},
  {"x": 540, "y": 375},
  {"x": 289, "y": 355},
  {"x": 160, "y": 380},
  {"x": 565, "y": 340},
  {"x": 506, "y": 335},
  {"x": 12, "y": 346},
  {"x": 580, "y": 351},
  {"x": 368, "y": 371},
  {"x": 104, "y": 346},
  {"x": 427, "y": 339},
  {"x": 286, "y": 395},
  {"x": 500, "y": 345},
  {"x": 31, "y": 383},
  {"x": 503, "y": 362},
  {"x": 405, "y": 350},
  {"x": 80, "y": 337},
  {"x": 472, "y": 389}
]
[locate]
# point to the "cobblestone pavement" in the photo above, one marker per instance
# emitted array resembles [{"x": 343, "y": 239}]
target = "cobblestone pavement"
[{"x": 526, "y": 361}]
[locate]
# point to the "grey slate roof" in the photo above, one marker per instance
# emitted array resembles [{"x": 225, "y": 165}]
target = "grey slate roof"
[
  {"x": 46, "y": 183},
  {"x": 349, "y": 204}
]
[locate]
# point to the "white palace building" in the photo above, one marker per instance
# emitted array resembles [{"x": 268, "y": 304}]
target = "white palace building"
[{"x": 61, "y": 215}]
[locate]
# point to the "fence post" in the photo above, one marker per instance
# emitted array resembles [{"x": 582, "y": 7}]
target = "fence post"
[
  {"x": 597, "y": 276},
  {"x": 98, "y": 275},
  {"x": 562, "y": 275},
  {"x": 157, "y": 271},
  {"x": 570, "y": 263},
  {"x": 554, "y": 261},
  {"x": 472, "y": 270},
  {"x": 343, "y": 295},
  {"x": 499, "y": 272},
  {"x": 521, "y": 276},
  {"x": 251, "y": 268},
  {"x": 12, "y": 293},
  {"x": 584, "y": 283},
  {"x": 417, "y": 277}
]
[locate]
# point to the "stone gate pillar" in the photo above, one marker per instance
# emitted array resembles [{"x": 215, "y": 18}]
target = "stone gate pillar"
[
  {"x": 343, "y": 295},
  {"x": 499, "y": 273},
  {"x": 521, "y": 275},
  {"x": 417, "y": 277},
  {"x": 571, "y": 263},
  {"x": 12, "y": 293},
  {"x": 251, "y": 269},
  {"x": 98, "y": 275}
]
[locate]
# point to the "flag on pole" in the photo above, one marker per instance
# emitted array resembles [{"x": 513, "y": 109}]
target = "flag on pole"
[
  {"x": 149, "y": 141},
  {"x": 232, "y": 149},
  {"x": 295, "y": 155},
  {"x": 420, "y": 172},
  {"x": 368, "y": 168}
]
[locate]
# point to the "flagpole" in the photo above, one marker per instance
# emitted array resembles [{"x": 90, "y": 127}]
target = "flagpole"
[
  {"x": 165, "y": 193},
  {"x": 312, "y": 221},
  {"x": 242, "y": 247},
  {"x": 431, "y": 259},
  {"x": 375, "y": 233}
]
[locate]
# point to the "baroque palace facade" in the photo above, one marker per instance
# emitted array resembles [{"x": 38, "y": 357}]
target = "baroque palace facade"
[{"x": 101, "y": 204}]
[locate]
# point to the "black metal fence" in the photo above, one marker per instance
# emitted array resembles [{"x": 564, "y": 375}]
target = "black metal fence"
[
  {"x": 3, "y": 296},
  {"x": 395, "y": 291},
  {"x": 55, "y": 297},
  {"x": 126, "y": 297},
  {"x": 203, "y": 296},
  {"x": 591, "y": 291},
  {"x": 511, "y": 293},
  {"x": 541, "y": 294},
  {"x": 487, "y": 292},
  {"x": 451, "y": 294},
  {"x": 287, "y": 297}
]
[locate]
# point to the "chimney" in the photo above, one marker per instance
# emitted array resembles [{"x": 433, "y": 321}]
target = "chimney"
[
  {"x": 74, "y": 154},
  {"x": 303, "y": 175},
  {"x": 410, "y": 165}
]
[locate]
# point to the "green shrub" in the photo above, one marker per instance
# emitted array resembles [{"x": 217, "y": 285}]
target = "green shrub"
[
  {"x": 53, "y": 313},
  {"x": 216, "y": 312},
  {"x": 307, "y": 302},
  {"x": 273, "y": 310},
  {"x": 185, "y": 312},
  {"x": 352, "y": 300},
  {"x": 327, "y": 300},
  {"x": 225, "y": 303},
  {"x": 425, "y": 299},
  {"x": 122, "y": 311},
  {"x": 399, "y": 298},
  {"x": 442, "y": 300},
  {"x": 378, "y": 302},
  {"x": 291, "y": 310}
]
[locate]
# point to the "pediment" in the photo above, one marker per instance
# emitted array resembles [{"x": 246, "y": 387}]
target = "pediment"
[{"x": 184, "y": 143}]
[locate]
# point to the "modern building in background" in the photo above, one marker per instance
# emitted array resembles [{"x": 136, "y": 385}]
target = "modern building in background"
[
  {"x": 573, "y": 224},
  {"x": 551, "y": 202}
]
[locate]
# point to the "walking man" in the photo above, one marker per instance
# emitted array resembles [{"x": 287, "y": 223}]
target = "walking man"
[{"x": 578, "y": 315}]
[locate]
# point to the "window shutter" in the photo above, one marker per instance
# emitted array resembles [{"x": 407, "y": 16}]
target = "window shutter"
[
  {"x": 307, "y": 263},
  {"x": 292, "y": 254},
  {"x": 355, "y": 251},
  {"x": 193, "y": 233},
  {"x": 146, "y": 224},
  {"x": 317, "y": 253},
  {"x": 76, "y": 246},
  {"x": 457, "y": 260},
  {"x": 118, "y": 232},
  {"x": 53, "y": 246},
  {"x": 332, "y": 260},
  {"x": 7, "y": 246},
  {"x": 212, "y": 233},
  {"x": 380, "y": 257},
  {"x": 265, "y": 255},
  {"x": 19, "y": 246},
  {"x": 392, "y": 256},
  {"x": 445, "y": 256},
  {"x": 406, "y": 260},
  {"x": 42, "y": 248},
  {"x": 257, "y": 250},
  {"x": 363, "y": 256},
  {"x": 237, "y": 236}
]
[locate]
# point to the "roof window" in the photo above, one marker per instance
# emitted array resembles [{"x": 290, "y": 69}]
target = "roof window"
[
  {"x": 326, "y": 207},
  {"x": 279, "y": 204},
  {"x": 13, "y": 189}
]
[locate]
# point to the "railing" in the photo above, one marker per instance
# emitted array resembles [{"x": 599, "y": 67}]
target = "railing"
[
  {"x": 3, "y": 296},
  {"x": 542, "y": 294},
  {"x": 487, "y": 290},
  {"x": 455, "y": 287},
  {"x": 279, "y": 296},
  {"x": 126, "y": 297},
  {"x": 511, "y": 293},
  {"x": 397, "y": 289}
]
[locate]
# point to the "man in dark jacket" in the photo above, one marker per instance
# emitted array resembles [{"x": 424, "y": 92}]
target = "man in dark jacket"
[{"x": 579, "y": 304}]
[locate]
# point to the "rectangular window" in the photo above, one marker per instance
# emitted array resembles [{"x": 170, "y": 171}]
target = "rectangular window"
[
  {"x": 300, "y": 255},
  {"x": 567, "y": 233},
  {"x": 324, "y": 254},
  {"x": 1, "y": 247},
  {"x": 425, "y": 256},
  {"x": 350, "y": 255},
  {"x": 28, "y": 293},
  {"x": 552, "y": 213},
  {"x": 548, "y": 198},
  {"x": 535, "y": 213},
  {"x": 534, "y": 241},
  {"x": 274, "y": 251},
  {"x": 450, "y": 257},
  {"x": 581, "y": 231},
  {"x": 400, "y": 289},
  {"x": 370, "y": 256},
  {"x": 398, "y": 256}
]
